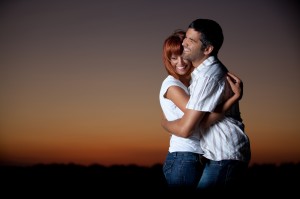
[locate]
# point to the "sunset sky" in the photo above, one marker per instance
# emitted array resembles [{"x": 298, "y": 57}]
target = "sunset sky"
[{"x": 80, "y": 79}]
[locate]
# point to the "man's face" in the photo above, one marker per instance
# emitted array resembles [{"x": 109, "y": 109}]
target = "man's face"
[{"x": 192, "y": 46}]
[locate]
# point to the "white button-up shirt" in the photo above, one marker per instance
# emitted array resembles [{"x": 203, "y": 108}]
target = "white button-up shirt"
[{"x": 226, "y": 139}]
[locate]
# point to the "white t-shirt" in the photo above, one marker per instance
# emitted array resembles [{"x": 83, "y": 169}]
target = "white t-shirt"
[{"x": 172, "y": 112}]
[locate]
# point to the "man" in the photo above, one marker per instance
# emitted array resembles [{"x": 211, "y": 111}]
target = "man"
[{"x": 225, "y": 144}]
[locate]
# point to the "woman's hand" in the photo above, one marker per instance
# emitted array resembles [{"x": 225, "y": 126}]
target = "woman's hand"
[{"x": 236, "y": 85}]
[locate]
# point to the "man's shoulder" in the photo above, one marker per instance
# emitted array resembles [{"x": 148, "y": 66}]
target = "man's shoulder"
[{"x": 216, "y": 70}]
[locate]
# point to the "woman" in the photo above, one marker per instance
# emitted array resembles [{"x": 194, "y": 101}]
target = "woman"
[{"x": 184, "y": 162}]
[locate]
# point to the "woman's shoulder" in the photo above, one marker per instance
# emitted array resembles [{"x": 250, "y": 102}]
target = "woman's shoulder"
[{"x": 170, "y": 80}]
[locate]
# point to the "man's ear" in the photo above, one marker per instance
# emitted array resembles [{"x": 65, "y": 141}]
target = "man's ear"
[{"x": 208, "y": 49}]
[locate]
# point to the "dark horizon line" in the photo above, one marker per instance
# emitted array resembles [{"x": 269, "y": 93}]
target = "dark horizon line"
[{"x": 3, "y": 164}]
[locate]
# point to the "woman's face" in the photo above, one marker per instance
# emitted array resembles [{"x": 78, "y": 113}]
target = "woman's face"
[{"x": 181, "y": 66}]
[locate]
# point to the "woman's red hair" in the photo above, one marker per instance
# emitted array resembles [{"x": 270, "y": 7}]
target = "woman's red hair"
[{"x": 172, "y": 46}]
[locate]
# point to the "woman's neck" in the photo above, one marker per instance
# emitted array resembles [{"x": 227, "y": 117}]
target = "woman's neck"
[{"x": 185, "y": 80}]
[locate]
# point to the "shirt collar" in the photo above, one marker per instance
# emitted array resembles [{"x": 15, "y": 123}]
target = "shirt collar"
[{"x": 203, "y": 66}]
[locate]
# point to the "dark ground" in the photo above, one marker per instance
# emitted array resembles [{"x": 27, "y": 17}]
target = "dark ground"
[{"x": 96, "y": 181}]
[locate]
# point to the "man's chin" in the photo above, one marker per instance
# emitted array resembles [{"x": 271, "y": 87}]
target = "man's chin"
[{"x": 185, "y": 56}]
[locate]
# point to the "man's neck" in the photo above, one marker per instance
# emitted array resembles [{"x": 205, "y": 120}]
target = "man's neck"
[{"x": 199, "y": 61}]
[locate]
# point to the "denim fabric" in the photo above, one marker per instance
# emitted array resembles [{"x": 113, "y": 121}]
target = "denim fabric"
[
  {"x": 182, "y": 169},
  {"x": 224, "y": 174}
]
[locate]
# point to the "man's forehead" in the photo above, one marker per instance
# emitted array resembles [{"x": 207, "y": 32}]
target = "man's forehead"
[{"x": 193, "y": 34}]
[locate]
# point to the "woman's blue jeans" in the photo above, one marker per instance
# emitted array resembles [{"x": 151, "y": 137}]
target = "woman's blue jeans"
[{"x": 182, "y": 170}]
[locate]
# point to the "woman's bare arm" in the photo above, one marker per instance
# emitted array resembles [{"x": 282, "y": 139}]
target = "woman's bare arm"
[{"x": 180, "y": 98}]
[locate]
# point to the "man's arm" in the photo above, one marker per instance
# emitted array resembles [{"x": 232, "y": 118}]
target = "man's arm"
[
  {"x": 237, "y": 87},
  {"x": 219, "y": 112},
  {"x": 183, "y": 127}
]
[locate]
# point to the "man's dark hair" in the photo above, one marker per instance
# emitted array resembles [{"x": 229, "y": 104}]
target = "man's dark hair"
[{"x": 211, "y": 33}]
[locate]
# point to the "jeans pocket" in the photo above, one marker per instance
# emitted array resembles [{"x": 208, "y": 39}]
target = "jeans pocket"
[{"x": 167, "y": 167}]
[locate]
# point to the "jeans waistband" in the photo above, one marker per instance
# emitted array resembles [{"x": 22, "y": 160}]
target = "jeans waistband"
[
  {"x": 183, "y": 153},
  {"x": 225, "y": 162}
]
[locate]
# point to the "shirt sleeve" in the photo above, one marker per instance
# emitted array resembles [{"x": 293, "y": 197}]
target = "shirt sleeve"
[{"x": 206, "y": 94}]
